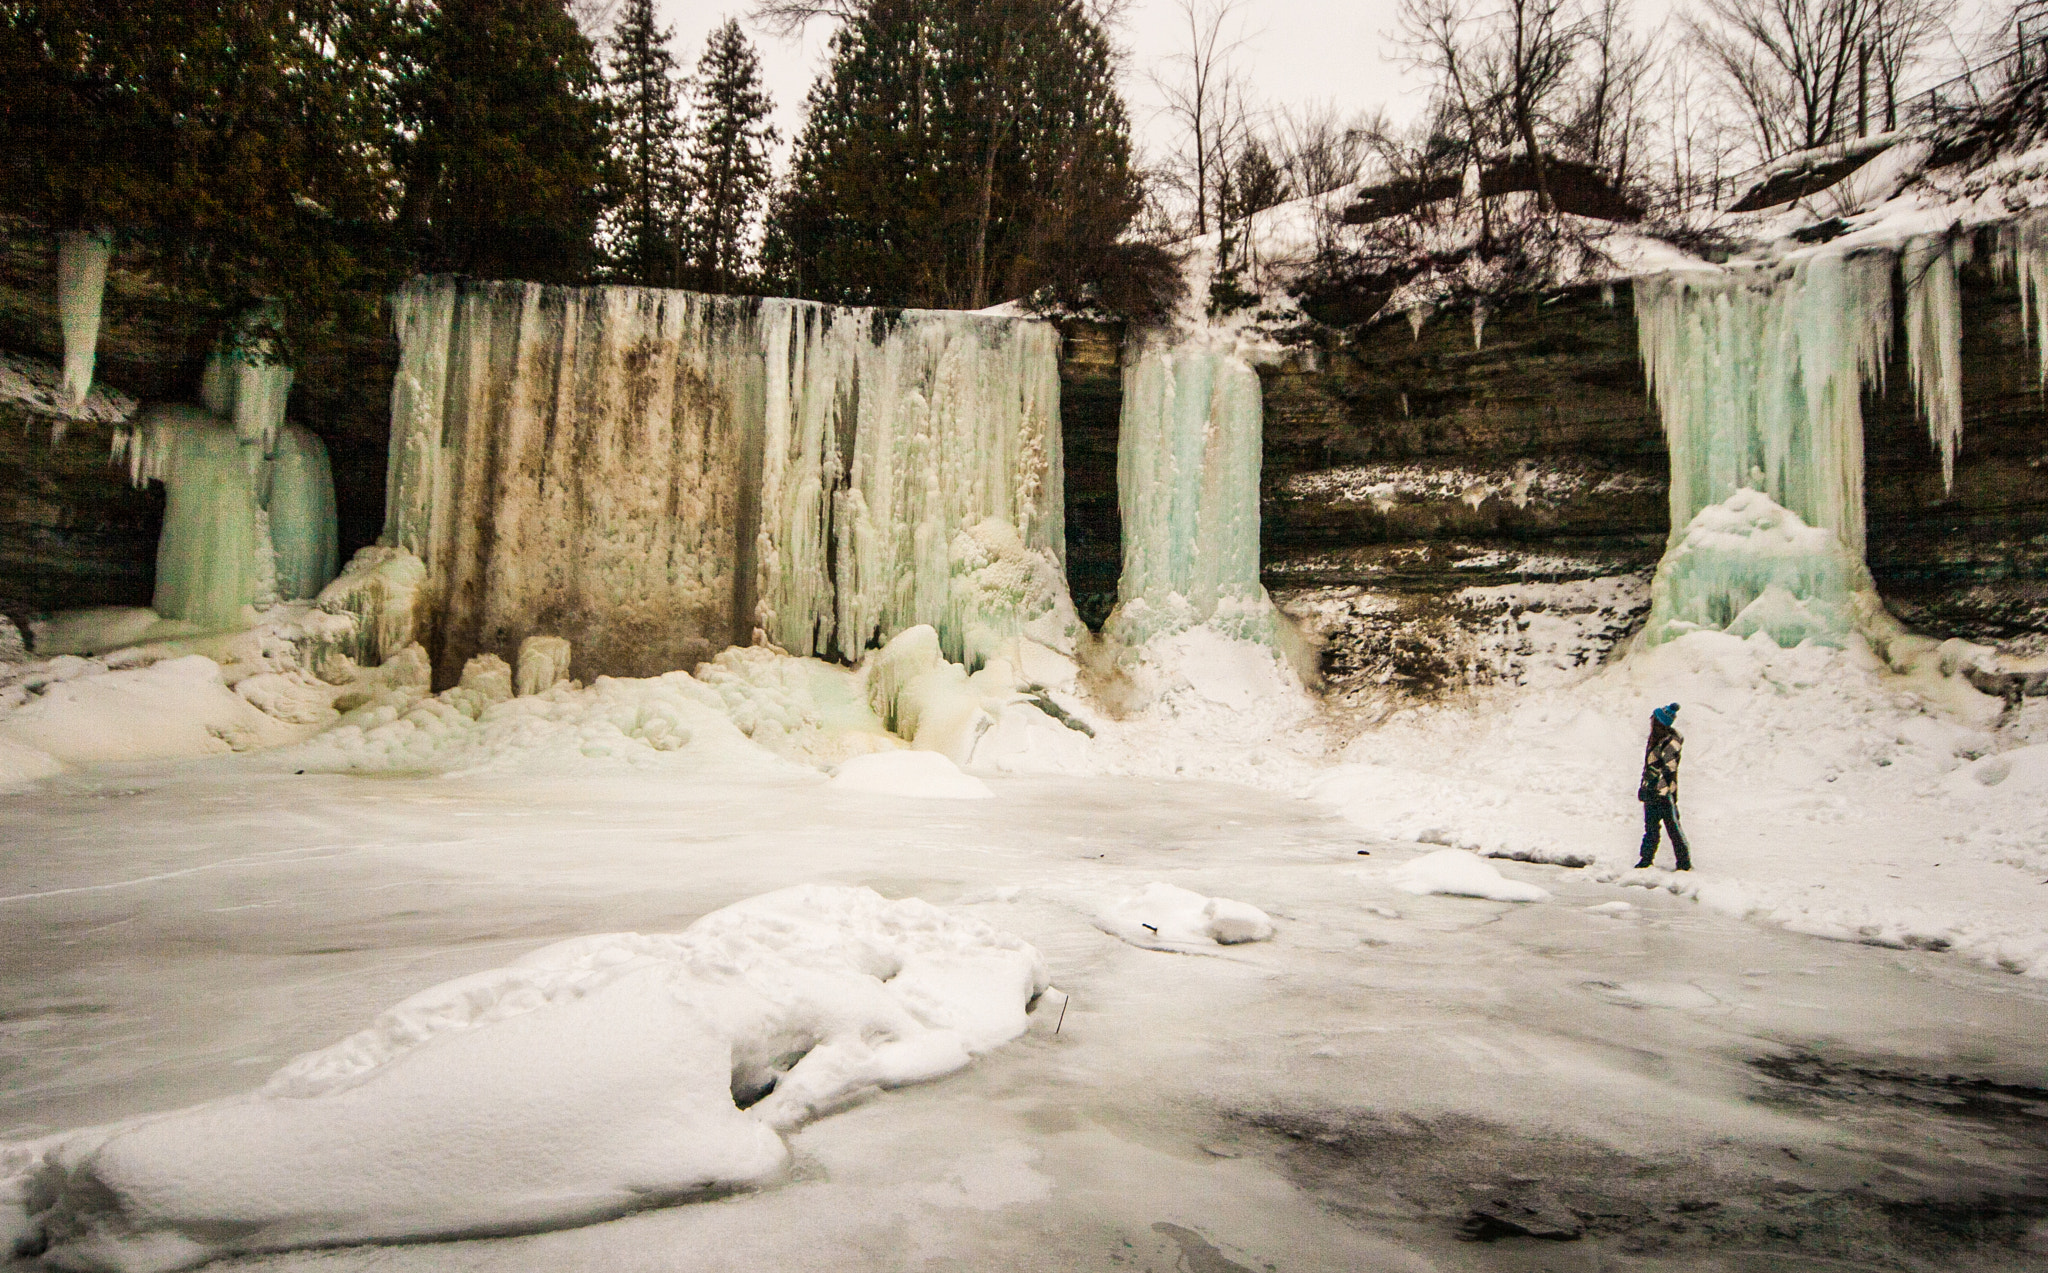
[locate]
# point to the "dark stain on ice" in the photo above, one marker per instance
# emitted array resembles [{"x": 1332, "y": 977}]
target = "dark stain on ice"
[
  {"x": 1906, "y": 1171},
  {"x": 1197, "y": 1255}
]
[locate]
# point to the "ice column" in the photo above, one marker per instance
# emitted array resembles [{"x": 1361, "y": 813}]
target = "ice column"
[
  {"x": 81, "y": 285},
  {"x": 301, "y": 514},
  {"x": 214, "y": 556},
  {"x": 1759, "y": 374},
  {"x": 248, "y": 382},
  {"x": 909, "y": 458},
  {"x": 1188, "y": 458}
]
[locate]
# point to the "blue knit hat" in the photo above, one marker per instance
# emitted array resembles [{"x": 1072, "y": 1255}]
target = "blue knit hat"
[{"x": 1665, "y": 714}]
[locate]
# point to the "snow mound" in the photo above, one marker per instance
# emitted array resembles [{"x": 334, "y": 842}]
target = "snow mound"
[
  {"x": 2021, "y": 772},
  {"x": 1163, "y": 915},
  {"x": 671, "y": 721},
  {"x": 588, "y": 1079},
  {"x": 19, "y": 764},
  {"x": 1461, "y": 873},
  {"x": 1749, "y": 565},
  {"x": 921, "y": 775},
  {"x": 177, "y": 707}
]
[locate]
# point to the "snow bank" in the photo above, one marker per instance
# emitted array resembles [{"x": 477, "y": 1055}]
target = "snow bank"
[
  {"x": 178, "y": 707},
  {"x": 591, "y": 1078},
  {"x": 672, "y": 721},
  {"x": 21, "y": 764},
  {"x": 1822, "y": 791},
  {"x": 922, "y": 775},
  {"x": 1163, "y": 916},
  {"x": 1460, "y": 873}
]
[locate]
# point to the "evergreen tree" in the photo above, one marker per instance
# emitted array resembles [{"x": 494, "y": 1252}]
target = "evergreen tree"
[
  {"x": 504, "y": 153},
  {"x": 727, "y": 167},
  {"x": 243, "y": 148},
  {"x": 956, "y": 151},
  {"x": 641, "y": 233}
]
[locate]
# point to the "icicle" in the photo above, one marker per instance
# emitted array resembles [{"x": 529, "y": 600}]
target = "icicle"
[
  {"x": 1934, "y": 341},
  {"x": 81, "y": 286},
  {"x": 1478, "y": 324},
  {"x": 1188, "y": 460},
  {"x": 1607, "y": 296},
  {"x": 2023, "y": 250},
  {"x": 1417, "y": 315}
]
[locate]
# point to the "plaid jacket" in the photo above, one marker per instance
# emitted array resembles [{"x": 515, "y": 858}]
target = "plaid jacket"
[{"x": 1660, "y": 767}]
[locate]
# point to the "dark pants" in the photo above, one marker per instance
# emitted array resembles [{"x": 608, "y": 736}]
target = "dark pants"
[{"x": 1663, "y": 813}]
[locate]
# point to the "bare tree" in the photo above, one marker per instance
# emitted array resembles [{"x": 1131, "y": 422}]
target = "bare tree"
[
  {"x": 1538, "y": 41},
  {"x": 1791, "y": 65},
  {"x": 787, "y": 18},
  {"x": 1206, "y": 97},
  {"x": 1320, "y": 148},
  {"x": 1901, "y": 32},
  {"x": 1694, "y": 140},
  {"x": 1607, "y": 118},
  {"x": 1439, "y": 41}
]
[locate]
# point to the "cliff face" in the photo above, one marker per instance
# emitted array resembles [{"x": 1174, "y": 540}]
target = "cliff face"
[
  {"x": 1426, "y": 494},
  {"x": 1437, "y": 513},
  {"x": 71, "y": 533},
  {"x": 1971, "y": 560}
]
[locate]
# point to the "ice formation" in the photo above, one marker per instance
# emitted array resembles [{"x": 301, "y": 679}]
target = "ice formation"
[
  {"x": 2023, "y": 251},
  {"x": 1188, "y": 458},
  {"x": 240, "y": 528},
  {"x": 209, "y": 557},
  {"x": 592, "y": 1078},
  {"x": 656, "y": 475},
  {"x": 1934, "y": 348},
  {"x": 248, "y": 382},
  {"x": 384, "y": 590},
  {"x": 1759, "y": 375},
  {"x": 1749, "y": 565},
  {"x": 302, "y": 514},
  {"x": 81, "y": 285}
]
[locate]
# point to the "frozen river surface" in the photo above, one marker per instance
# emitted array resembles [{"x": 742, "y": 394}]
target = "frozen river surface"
[{"x": 1393, "y": 1082}]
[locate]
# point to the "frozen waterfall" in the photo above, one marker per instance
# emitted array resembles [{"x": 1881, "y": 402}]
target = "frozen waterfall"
[
  {"x": 656, "y": 475},
  {"x": 1188, "y": 460},
  {"x": 248, "y": 382},
  {"x": 239, "y": 529},
  {"x": 1759, "y": 373},
  {"x": 81, "y": 286}
]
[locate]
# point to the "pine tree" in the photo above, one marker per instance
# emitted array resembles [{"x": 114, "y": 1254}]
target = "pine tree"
[
  {"x": 241, "y": 151},
  {"x": 727, "y": 166},
  {"x": 642, "y": 232},
  {"x": 957, "y": 151},
  {"x": 504, "y": 157}
]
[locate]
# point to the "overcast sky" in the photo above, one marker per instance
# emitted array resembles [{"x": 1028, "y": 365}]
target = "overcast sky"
[{"x": 1295, "y": 53}]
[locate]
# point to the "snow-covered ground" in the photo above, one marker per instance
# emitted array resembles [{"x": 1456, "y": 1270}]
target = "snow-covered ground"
[
  {"x": 1284, "y": 1017},
  {"x": 1386, "y": 1067}
]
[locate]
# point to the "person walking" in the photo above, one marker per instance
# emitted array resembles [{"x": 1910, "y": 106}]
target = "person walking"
[{"x": 1659, "y": 788}]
